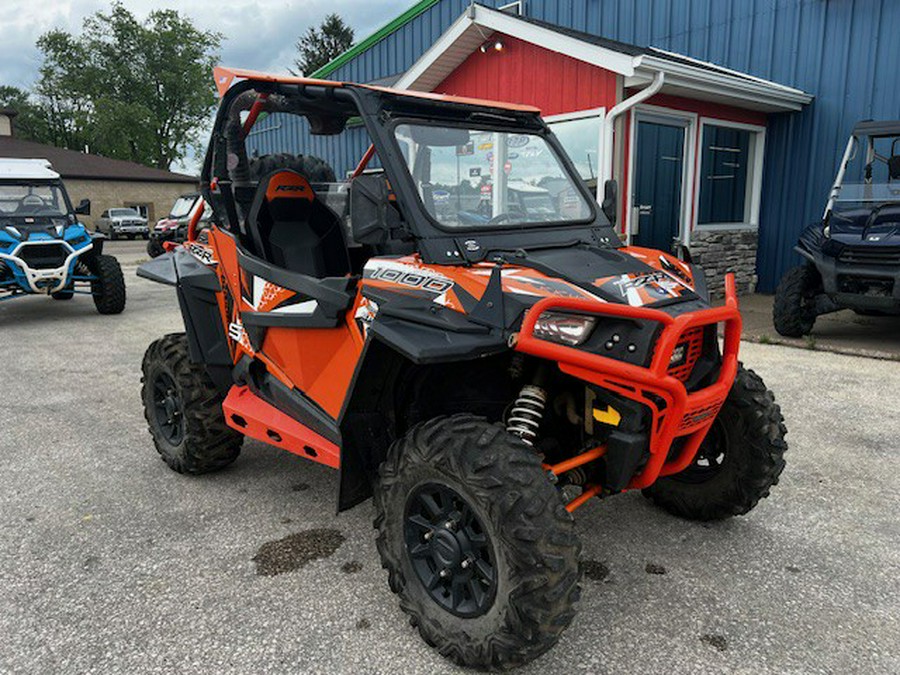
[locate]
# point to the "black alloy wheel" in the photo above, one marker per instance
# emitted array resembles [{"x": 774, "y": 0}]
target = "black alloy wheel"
[{"x": 450, "y": 550}]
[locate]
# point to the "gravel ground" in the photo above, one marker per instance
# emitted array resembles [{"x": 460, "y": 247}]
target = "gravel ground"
[{"x": 109, "y": 562}]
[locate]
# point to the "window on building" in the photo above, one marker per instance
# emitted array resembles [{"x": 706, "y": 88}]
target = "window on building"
[
  {"x": 729, "y": 180},
  {"x": 579, "y": 133}
]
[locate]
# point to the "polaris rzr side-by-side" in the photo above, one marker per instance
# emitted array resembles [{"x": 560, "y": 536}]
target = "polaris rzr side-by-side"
[
  {"x": 852, "y": 257},
  {"x": 43, "y": 247},
  {"x": 459, "y": 331}
]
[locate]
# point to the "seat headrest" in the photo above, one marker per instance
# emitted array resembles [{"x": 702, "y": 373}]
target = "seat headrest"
[{"x": 287, "y": 184}]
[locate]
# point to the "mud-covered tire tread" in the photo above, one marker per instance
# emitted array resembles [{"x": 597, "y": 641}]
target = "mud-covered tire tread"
[
  {"x": 109, "y": 286},
  {"x": 315, "y": 170},
  {"x": 753, "y": 469},
  {"x": 788, "y": 314},
  {"x": 209, "y": 444},
  {"x": 504, "y": 478}
]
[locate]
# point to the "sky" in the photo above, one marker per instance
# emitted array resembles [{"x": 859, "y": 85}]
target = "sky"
[{"x": 258, "y": 34}]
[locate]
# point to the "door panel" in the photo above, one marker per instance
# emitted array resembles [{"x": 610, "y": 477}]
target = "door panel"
[
  {"x": 299, "y": 324},
  {"x": 659, "y": 167}
]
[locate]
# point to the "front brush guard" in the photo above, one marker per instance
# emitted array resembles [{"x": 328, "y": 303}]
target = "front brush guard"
[{"x": 675, "y": 411}]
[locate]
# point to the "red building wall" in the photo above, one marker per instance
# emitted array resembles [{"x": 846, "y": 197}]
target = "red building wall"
[{"x": 526, "y": 73}]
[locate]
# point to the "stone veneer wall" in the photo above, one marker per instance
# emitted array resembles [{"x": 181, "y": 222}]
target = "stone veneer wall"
[{"x": 721, "y": 251}]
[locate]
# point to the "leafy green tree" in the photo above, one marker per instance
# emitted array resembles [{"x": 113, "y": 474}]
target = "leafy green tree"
[
  {"x": 31, "y": 122},
  {"x": 320, "y": 45},
  {"x": 128, "y": 89}
]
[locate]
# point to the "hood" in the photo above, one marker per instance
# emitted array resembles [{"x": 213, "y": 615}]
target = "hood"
[
  {"x": 859, "y": 228},
  {"x": 632, "y": 276}
]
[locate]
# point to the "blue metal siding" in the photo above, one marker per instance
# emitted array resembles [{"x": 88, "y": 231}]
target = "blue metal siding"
[{"x": 842, "y": 51}]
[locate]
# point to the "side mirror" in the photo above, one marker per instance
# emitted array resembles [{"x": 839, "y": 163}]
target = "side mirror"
[
  {"x": 83, "y": 208},
  {"x": 371, "y": 215},
  {"x": 610, "y": 200}
]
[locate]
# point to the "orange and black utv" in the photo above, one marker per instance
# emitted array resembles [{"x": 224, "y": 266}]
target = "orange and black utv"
[{"x": 456, "y": 328}]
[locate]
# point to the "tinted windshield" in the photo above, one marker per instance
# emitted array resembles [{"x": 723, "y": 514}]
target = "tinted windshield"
[
  {"x": 182, "y": 207},
  {"x": 128, "y": 213},
  {"x": 854, "y": 196},
  {"x": 22, "y": 200},
  {"x": 467, "y": 178}
]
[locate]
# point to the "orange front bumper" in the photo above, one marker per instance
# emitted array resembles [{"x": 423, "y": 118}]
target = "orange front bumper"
[{"x": 675, "y": 411}]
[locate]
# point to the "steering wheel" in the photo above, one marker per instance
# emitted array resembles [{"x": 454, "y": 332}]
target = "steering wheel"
[{"x": 32, "y": 202}]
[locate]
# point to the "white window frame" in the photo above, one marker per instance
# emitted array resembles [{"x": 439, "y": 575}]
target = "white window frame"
[
  {"x": 600, "y": 114},
  {"x": 753, "y": 197},
  {"x": 672, "y": 116}
]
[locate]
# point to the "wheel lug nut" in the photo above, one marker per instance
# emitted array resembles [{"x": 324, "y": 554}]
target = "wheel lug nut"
[
  {"x": 465, "y": 563},
  {"x": 450, "y": 525},
  {"x": 445, "y": 573},
  {"x": 429, "y": 535}
]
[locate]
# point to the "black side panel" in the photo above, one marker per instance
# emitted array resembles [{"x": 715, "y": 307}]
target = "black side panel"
[
  {"x": 423, "y": 344},
  {"x": 317, "y": 319},
  {"x": 197, "y": 288},
  {"x": 160, "y": 270},
  {"x": 366, "y": 431}
]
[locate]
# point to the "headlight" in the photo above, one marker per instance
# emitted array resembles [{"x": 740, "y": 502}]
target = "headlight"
[{"x": 567, "y": 329}]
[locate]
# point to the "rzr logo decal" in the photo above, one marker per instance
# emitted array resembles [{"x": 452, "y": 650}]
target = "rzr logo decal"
[
  {"x": 644, "y": 289},
  {"x": 202, "y": 253}
]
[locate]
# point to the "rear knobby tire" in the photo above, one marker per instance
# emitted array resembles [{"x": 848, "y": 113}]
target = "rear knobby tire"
[
  {"x": 202, "y": 442},
  {"x": 108, "y": 287},
  {"x": 793, "y": 311},
  {"x": 312, "y": 168},
  {"x": 532, "y": 536},
  {"x": 738, "y": 462}
]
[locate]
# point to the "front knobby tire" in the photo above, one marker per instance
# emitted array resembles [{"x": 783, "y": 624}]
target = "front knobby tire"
[
  {"x": 108, "y": 286},
  {"x": 794, "y": 308},
  {"x": 738, "y": 462},
  {"x": 183, "y": 410},
  {"x": 457, "y": 489}
]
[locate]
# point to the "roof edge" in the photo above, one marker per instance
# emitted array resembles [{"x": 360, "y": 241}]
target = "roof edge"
[{"x": 363, "y": 45}]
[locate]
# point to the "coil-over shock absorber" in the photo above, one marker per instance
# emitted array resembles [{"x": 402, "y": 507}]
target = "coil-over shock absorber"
[{"x": 527, "y": 412}]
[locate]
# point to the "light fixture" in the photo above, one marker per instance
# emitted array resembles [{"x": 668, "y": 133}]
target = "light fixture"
[{"x": 496, "y": 45}]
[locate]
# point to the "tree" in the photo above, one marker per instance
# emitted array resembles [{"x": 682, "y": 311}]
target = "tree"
[
  {"x": 31, "y": 122},
  {"x": 128, "y": 89},
  {"x": 321, "y": 45}
]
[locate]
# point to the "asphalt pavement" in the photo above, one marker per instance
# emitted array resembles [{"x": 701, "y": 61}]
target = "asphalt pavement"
[{"x": 112, "y": 563}]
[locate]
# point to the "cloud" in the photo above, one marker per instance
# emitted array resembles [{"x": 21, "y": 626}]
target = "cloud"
[{"x": 257, "y": 34}]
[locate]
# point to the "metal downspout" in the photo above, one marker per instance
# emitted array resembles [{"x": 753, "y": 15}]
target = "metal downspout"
[{"x": 610, "y": 122}]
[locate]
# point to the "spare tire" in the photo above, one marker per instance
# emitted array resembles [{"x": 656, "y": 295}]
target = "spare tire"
[{"x": 312, "y": 168}]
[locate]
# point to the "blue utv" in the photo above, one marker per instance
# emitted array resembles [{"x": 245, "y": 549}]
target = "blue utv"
[
  {"x": 43, "y": 248},
  {"x": 852, "y": 257}
]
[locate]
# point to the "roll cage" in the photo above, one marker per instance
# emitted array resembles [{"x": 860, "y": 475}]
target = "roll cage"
[
  {"x": 869, "y": 130},
  {"x": 328, "y": 106}
]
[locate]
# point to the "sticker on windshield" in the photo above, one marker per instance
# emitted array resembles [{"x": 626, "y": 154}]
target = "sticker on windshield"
[{"x": 519, "y": 141}]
